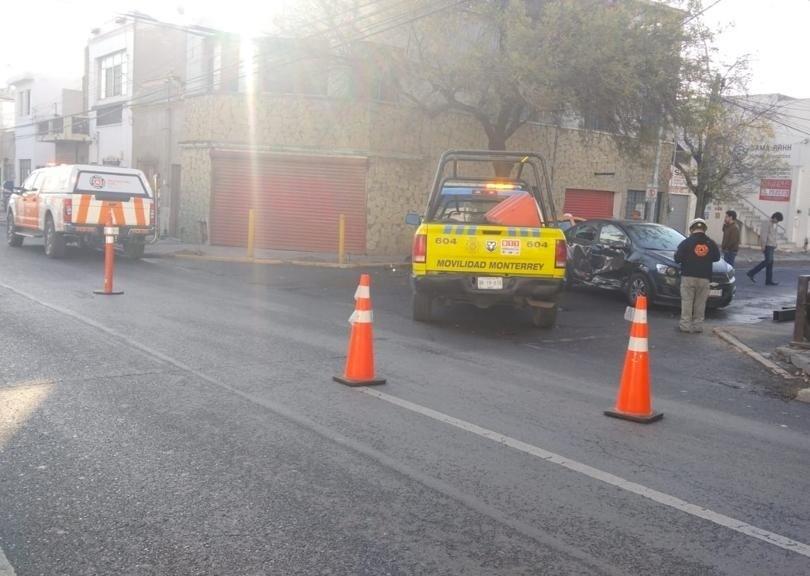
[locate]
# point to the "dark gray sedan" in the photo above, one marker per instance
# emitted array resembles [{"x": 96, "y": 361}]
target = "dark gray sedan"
[{"x": 636, "y": 258}]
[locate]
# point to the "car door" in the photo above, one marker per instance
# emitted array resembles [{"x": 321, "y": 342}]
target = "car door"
[
  {"x": 580, "y": 241},
  {"x": 30, "y": 200},
  {"x": 609, "y": 256}
]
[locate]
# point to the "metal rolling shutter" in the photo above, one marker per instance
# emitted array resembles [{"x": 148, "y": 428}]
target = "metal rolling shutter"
[
  {"x": 589, "y": 203},
  {"x": 298, "y": 201}
]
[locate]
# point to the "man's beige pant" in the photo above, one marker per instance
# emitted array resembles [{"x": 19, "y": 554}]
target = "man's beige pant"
[{"x": 694, "y": 293}]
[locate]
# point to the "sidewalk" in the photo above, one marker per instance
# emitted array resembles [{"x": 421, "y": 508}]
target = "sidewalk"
[
  {"x": 749, "y": 256},
  {"x": 174, "y": 248},
  {"x": 767, "y": 342}
]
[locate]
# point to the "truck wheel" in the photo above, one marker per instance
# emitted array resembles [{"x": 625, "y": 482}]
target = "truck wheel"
[
  {"x": 134, "y": 250},
  {"x": 54, "y": 242},
  {"x": 544, "y": 317},
  {"x": 422, "y": 307},
  {"x": 13, "y": 239}
]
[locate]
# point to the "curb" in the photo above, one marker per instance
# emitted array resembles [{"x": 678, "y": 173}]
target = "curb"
[
  {"x": 274, "y": 261},
  {"x": 753, "y": 354}
]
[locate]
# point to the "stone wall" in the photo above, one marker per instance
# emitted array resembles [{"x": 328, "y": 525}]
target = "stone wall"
[
  {"x": 195, "y": 198},
  {"x": 403, "y": 146}
]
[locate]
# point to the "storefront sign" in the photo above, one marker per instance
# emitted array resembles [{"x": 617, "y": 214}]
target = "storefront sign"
[{"x": 776, "y": 190}]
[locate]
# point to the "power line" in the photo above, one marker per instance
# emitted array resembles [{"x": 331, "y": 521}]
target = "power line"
[
  {"x": 762, "y": 112},
  {"x": 703, "y": 11},
  {"x": 387, "y": 24}
]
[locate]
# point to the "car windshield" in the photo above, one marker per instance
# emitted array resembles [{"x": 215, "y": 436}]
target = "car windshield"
[{"x": 655, "y": 237}]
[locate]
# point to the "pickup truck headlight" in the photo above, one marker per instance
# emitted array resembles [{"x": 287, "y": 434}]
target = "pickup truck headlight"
[{"x": 666, "y": 270}]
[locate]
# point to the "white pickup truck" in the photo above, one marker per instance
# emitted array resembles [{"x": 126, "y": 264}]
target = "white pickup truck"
[{"x": 72, "y": 204}]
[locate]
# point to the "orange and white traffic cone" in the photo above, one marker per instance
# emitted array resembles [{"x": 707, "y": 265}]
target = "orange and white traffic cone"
[
  {"x": 634, "y": 401},
  {"x": 109, "y": 253},
  {"x": 360, "y": 360}
]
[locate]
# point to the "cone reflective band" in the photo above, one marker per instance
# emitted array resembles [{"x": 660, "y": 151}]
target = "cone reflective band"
[
  {"x": 634, "y": 401},
  {"x": 362, "y": 292},
  {"x": 360, "y": 358}
]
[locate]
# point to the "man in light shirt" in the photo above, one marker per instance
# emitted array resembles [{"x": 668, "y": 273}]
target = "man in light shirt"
[{"x": 768, "y": 241}]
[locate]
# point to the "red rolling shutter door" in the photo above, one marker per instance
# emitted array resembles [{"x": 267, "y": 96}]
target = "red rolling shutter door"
[
  {"x": 298, "y": 201},
  {"x": 589, "y": 203}
]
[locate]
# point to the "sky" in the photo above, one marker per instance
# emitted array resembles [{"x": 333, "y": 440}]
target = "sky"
[{"x": 47, "y": 37}]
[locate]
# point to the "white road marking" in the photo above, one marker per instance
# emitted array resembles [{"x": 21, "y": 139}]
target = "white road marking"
[
  {"x": 5, "y": 565},
  {"x": 596, "y": 474},
  {"x": 450, "y": 491}
]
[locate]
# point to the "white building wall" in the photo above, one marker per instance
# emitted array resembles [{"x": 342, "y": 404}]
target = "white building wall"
[
  {"x": 111, "y": 142},
  {"x": 47, "y": 101},
  {"x": 792, "y": 144}
]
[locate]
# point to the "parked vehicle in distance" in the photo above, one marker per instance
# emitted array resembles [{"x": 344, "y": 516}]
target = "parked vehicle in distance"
[
  {"x": 70, "y": 204},
  {"x": 637, "y": 258}
]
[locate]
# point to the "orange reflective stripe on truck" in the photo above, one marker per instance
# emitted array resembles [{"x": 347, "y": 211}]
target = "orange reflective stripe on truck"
[
  {"x": 140, "y": 215},
  {"x": 84, "y": 206},
  {"x": 118, "y": 214}
]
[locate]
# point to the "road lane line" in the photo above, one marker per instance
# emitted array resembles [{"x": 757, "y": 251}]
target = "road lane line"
[
  {"x": 596, "y": 474},
  {"x": 5, "y": 566},
  {"x": 599, "y": 565}
]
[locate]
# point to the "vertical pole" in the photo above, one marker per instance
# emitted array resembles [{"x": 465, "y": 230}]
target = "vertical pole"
[
  {"x": 342, "y": 239},
  {"x": 651, "y": 202},
  {"x": 251, "y": 240},
  {"x": 109, "y": 252},
  {"x": 800, "y": 322},
  {"x": 109, "y": 263}
]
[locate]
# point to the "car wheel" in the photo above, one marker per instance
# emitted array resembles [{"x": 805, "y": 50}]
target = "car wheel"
[
  {"x": 638, "y": 285},
  {"x": 12, "y": 238},
  {"x": 544, "y": 317},
  {"x": 54, "y": 242},
  {"x": 422, "y": 307},
  {"x": 134, "y": 250}
]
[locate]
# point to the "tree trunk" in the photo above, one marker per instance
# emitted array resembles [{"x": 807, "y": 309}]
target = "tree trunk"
[
  {"x": 497, "y": 142},
  {"x": 702, "y": 201}
]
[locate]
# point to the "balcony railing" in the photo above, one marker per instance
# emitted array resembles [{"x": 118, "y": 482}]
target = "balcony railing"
[{"x": 64, "y": 129}]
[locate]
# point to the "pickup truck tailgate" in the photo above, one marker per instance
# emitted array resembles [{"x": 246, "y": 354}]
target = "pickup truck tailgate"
[{"x": 491, "y": 250}]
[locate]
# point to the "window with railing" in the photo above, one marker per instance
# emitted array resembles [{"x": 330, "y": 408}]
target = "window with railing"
[
  {"x": 109, "y": 115},
  {"x": 80, "y": 125}
]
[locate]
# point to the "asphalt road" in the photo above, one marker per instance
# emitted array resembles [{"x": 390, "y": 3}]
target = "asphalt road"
[{"x": 191, "y": 426}]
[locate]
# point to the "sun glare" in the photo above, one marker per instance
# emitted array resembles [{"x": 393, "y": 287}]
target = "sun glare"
[{"x": 17, "y": 403}]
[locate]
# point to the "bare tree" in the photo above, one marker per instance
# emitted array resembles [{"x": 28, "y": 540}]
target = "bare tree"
[{"x": 717, "y": 126}]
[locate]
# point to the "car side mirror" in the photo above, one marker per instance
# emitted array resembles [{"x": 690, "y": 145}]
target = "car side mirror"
[{"x": 413, "y": 219}]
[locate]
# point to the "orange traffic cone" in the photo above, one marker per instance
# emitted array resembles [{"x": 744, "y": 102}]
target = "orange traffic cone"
[
  {"x": 360, "y": 360},
  {"x": 633, "y": 401}
]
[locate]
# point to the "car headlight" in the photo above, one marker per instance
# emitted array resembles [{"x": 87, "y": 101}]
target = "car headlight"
[{"x": 667, "y": 270}]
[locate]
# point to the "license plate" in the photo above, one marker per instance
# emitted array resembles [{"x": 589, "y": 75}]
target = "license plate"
[
  {"x": 713, "y": 293},
  {"x": 488, "y": 283}
]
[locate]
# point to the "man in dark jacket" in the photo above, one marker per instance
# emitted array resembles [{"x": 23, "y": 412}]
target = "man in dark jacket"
[
  {"x": 696, "y": 255},
  {"x": 731, "y": 237}
]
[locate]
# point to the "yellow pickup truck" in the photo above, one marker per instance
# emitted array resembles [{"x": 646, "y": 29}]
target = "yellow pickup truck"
[{"x": 488, "y": 236}]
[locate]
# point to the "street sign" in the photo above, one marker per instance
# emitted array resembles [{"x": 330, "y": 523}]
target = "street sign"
[{"x": 652, "y": 193}]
